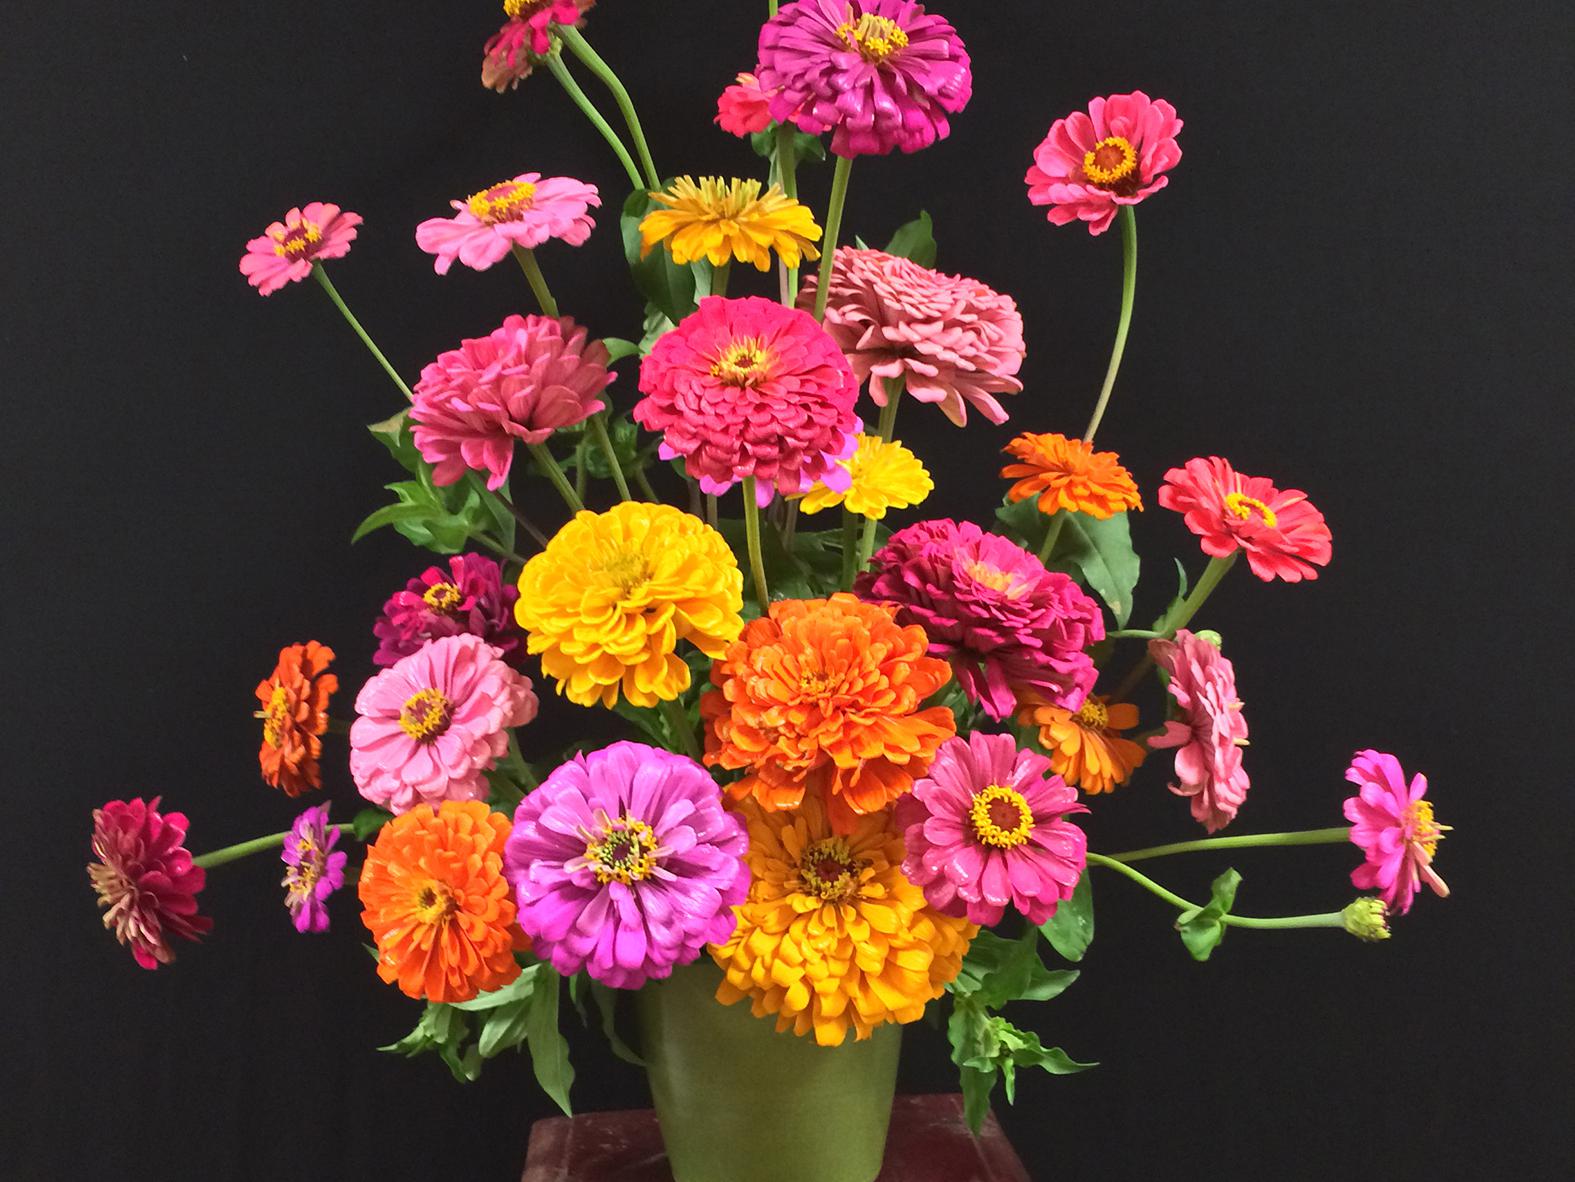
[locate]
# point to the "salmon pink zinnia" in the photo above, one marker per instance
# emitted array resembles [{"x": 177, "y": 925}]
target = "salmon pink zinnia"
[
  {"x": 1115, "y": 154},
  {"x": 525, "y": 211},
  {"x": 287, "y": 250},
  {"x": 1393, "y": 823},
  {"x": 744, "y": 109},
  {"x": 1283, "y": 535},
  {"x": 1211, "y": 731}
]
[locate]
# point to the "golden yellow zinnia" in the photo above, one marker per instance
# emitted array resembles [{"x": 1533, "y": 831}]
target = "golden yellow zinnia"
[
  {"x": 883, "y": 476},
  {"x": 724, "y": 220},
  {"x": 608, "y": 600}
]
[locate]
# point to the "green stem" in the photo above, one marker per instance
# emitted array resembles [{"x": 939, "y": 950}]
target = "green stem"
[
  {"x": 787, "y": 172},
  {"x": 1171, "y": 624},
  {"x": 538, "y": 282},
  {"x": 530, "y": 526},
  {"x": 719, "y": 277},
  {"x": 641, "y": 479},
  {"x": 581, "y": 48},
  {"x": 233, "y": 853},
  {"x": 1143, "y": 881},
  {"x": 1333, "y": 836},
  {"x": 888, "y": 414},
  {"x": 554, "y": 473},
  {"x": 867, "y": 542},
  {"x": 771, "y": 7},
  {"x": 678, "y": 721},
  {"x": 790, "y": 526},
  {"x": 1331, "y": 919},
  {"x": 850, "y": 551},
  {"x": 1052, "y": 535},
  {"x": 560, "y": 71},
  {"x": 1133, "y": 634},
  {"x": 713, "y": 511},
  {"x": 333, "y": 294},
  {"x": 498, "y": 548},
  {"x": 1128, "y": 291},
  {"x": 757, "y": 561},
  {"x": 604, "y": 441},
  {"x": 828, "y": 245},
  {"x": 517, "y": 761}
]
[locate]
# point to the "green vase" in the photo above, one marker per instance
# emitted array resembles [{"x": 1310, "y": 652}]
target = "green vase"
[{"x": 739, "y": 1102}]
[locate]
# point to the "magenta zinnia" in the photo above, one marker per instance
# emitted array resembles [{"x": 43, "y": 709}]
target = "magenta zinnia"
[
  {"x": 469, "y": 597},
  {"x": 313, "y": 869},
  {"x": 1392, "y": 822},
  {"x": 145, "y": 880},
  {"x": 287, "y": 250},
  {"x": 1211, "y": 731},
  {"x": 1092, "y": 163}
]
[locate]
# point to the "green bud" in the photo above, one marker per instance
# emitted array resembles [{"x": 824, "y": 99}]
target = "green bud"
[
  {"x": 1366, "y": 919},
  {"x": 1212, "y": 637}
]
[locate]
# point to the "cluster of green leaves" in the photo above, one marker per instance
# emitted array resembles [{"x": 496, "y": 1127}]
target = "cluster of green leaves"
[
  {"x": 1098, "y": 554},
  {"x": 1202, "y": 928}
]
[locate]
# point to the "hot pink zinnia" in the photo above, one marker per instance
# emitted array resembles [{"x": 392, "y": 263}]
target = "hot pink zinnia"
[
  {"x": 145, "y": 879},
  {"x": 469, "y": 597},
  {"x": 882, "y": 73},
  {"x": 1280, "y": 531},
  {"x": 286, "y": 250},
  {"x": 1211, "y": 732},
  {"x": 526, "y": 38},
  {"x": 521, "y": 382},
  {"x": 1005, "y": 622},
  {"x": 1116, "y": 154},
  {"x": 431, "y": 726},
  {"x": 625, "y": 864},
  {"x": 744, "y": 109},
  {"x": 313, "y": 869},
  {"x": 1394, "y": 825},
  {"x": 525, "y": 211}
]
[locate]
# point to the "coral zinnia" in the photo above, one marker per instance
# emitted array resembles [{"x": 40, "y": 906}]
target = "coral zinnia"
[
  {"x": 607, "y": 602},
  {"x": 743, "y": 108},
  {"x": 1086, "y": 745},
  {"x": 724, "y": 220},
  {"x": 1116, "y": 154},
  {"x": 525, "y": 211},
  {"x": 625, "y": 864},
  {"x": 1280, "y": 531},
  {"x": 824, "y": 697},
  {"x": 469, "y": 597},
  {"x": 833, "y": 937},
  {"x": 437, "y": 904},
  {"x": 1393, "y": 824},
  {"x": 434, "y": 723},
  {"x": 313, "y": 869},
  {"x": 952, "y": 340},
  {"x": 286, "y": 250},
  {"x": 294, "y": 714},
  {"x": 145, "y": 879},
  {"x": 1069, "y": 474},
  {"x": 1211, "y": 732},
  {"x": 881, "y": 476}
]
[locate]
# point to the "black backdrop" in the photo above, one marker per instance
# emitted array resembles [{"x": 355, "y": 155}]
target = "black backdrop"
[{"x": 1356, "y": 283}]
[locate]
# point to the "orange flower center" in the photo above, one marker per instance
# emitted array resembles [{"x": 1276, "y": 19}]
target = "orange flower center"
[
  {"x": 816, "y": 683},
  {"x": 296, "y": 241},
  {"x": 743, "y": 363},
  {"x": 1244, "y": 507},
  {"x": 624, "y": 851},
  {"x": 506, "y": 201},
  {"x": 829, "y": 870},
  {"x": 434, "y": 904},
  {"x": 1110, "y": 161},
  {"x": 1421, "y": 829},
  {"x": 276, "y": 716},
  {"x": 1001, "y": 817},
  {"x": 875, "y": 38},
  {"x": 1092, "y": 715},
  {"x": 442, "y": 598},
  {"x": 425, "y": 715}
]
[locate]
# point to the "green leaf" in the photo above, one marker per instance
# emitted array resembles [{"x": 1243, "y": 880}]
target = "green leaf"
[
  {"x": 1202, "y": 928},
  {"x": 976, "y": 1088},
  {"x": 394, "y": 434},
  {"x": 1099, "y": 553},
  {"x": 915, "y": 240},
  {"x": 549, "y": 1051},
  {"x": 367, "y": 822},
  {"x": 1071, "y": 929},
  {"x": 404, "y": 511},
  {"x": 618, "y": 348},
  {"x": 805, "y": 146},
  {"x": 997, "y": 971},
  {"x": 662, "y": 282},
  {"x": 518, "y": 990},
  {"x": 606, "y": 1000}
]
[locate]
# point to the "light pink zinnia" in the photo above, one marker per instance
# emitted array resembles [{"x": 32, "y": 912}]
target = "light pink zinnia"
[
  {"x": 286, "y": 250},
  {"x": 1280, "y": 531},
  {"x": 431, "y": 726},
  {"x": 525, "y": 211},
  {"x": 1211, "y": 732},
  {"x": 144, "y": 878},
  {"x": 521, "y": 382},
  {"x": 953, "y": 340},
  {"x": 1093, "y": 163},
  {"x": 743, "y": 108},
  {"x": 987, "y": 829},
  {"x": 1394, "y": 825}
]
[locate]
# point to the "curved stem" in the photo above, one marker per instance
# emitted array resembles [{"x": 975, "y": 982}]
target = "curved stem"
[
  {"x": 560, "y": 71},
  {"x": 604, "y": 441},
  {"x": 828, "y": 245},
  {"x": 682, "y": 731},
  {"x": 644, "y": 482},
  {"x": 1217, "y": 569},
  {"x": 1128, "y": 291},
  {"x": 581, "y": 48},
  {"x": 1332, "y": 836},
  {"x": 327, "y": 285},
  {"x": 1053, "y": 535},
  {"x": 554, "y": 473},
  {"x": 233, "y": 853},
  {"x": 1330, "y": 919},
  {"x": 538, "y": 282},
  {"x": 757, "y": 561}
]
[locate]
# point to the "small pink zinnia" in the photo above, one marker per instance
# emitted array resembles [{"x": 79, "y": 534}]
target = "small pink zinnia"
[
  {"x": 1211, "y": 732},
  {"x": 313, "y": 869},
  {"x": 145, "y": 879},
  {"x": 526, "y": 38},
  {"x": 954, "y": 341},
  {"x": 987, "y": 829},
  {"x": 1394, "y": 825},
  {"x": 469, "y": 597},
  {"x": 1115, "y": 154},
  {"x": 525, "y": 211},
  {"x": 521, "y": 382},
  {"x": 743, "y": 108},
  {"x": 286, "y": 250},
  {"x": 431, "y": 726},
  {"x": 1280, "y": 531}
]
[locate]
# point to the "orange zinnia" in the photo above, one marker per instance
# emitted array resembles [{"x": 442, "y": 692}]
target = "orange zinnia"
[
  {"x": 1069, "y": 474},
  {"x": 295, "y": 714},
  {"x": 824, "y": 695},
  {"x": 1085, "y": 746},
  {"x": 438, "y": 905}
]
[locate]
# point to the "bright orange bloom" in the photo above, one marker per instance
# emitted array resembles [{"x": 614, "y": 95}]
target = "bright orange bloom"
[
  {"x": 824, "y": 695},
  {"x": 438, "y": 905},
  {"x": 295, "y": 715},
  {"x": 1069, "y": 474},
  {"x": 1085, "y": 746}
]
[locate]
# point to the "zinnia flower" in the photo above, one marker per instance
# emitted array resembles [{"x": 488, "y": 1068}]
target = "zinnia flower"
[
  {"x": 1393, "y": 823},
  {"x": 744, "y": 109},
  {"x": 525, "y": 211},
  {"x": 437, "y": 904},
  {"x": 1280, "y": 531},
  {"x": 286, "y": 251},
  {"x": 1116, "y": 154},
  {"x": 1069, "y": 474},
  {"x": 625, "y": 864},
  {"x": 750, "y": 388},
  {"x": 725, "y": 220},
  {"x": 1086, "y": 745},
  {"x": 1008, "y": 625},
  {"x": 1210, "y": 733},
  {"x": 833, "y": 937},
  {"x": 606, "y": 604},
  {"x": 824, "y": 697},
  {"x": 434, "y": 723},
  {"x": 881, "y": 476},
  {"x": 523, "y": 381},
  {"x": 986, "y": 829},
  {"x": 952, "y": 340},
  {"x": 526, "y": 39},
  {"x": 294, "y": 715},
  {"x": 883, "y": 73},
  {"x": 145, "y": 879},
  {"x": 469, "y": 597},
  {"x": 313, "y": 869}
]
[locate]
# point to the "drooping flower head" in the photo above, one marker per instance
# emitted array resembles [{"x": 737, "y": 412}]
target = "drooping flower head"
[
  {"x": 625, "y": 864},
  {"x": 1086, "y": 745},
  {"x": 144, "y": 878},
  {"x": 879, "y": 74},
  {"x": 986, "y": 829},
  {"x": 1068, "y": 474},
  {"x": 287, "y": 250},
  {"x": 436, "y": 902},
  {"x": 294, "y": 700},
  {"x": 525, "y": 39},
  {"x": 1283, "y": 535},
  {"x": 952, "y": 340},
  {"x": 521, "y": 382},
  {"x": 525, "y": 211},
  {"x": 469, "y": 597},
  {"x": 606, "y": 604},
  {"x": 435, "y": 722},
  {"x": 1008, "y": 625},
  {"x": 881, "y": 476},
  {"x": 722, "y": 220},
  {"x": 313, "y": 869},
  {"x": 1211, "y": 731},
  {"x": 1392, "y": 822},
  {"x": 833, "y": 937},
  {"x": 749, "y": 388},
  {"x": 1115, "y": 154},
  {"x": 824, "y": 697},
  {"x": 743, "y": 108}
]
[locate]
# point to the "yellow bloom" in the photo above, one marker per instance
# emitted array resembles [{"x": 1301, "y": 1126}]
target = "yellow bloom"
[
  {"x": 885, "y": 476},
  {"x": 608, "y": 600},
  {"x": 726, "y": 220}
]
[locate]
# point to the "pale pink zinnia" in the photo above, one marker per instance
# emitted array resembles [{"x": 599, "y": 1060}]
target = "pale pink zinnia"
[
  {"x": 144, "y": 878},
  {"x": 1393, "y": 823},
  {"x": 1211, "y": 731},
  {"x": 1094, "y": 162},
  {"x": 286, "y": 250},
  {"x": 743, "y": 108},
  {"x": 525, "y": 211},
  {"x": 1281, "y": 532}
]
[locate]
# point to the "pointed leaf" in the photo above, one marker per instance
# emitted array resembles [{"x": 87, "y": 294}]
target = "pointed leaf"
[
  {"x": 549, "y": 1051},
  {"x": 916, "y": 241},
  {"x": 670, "y": 287},
  {"x": 1071, "y": 929}
]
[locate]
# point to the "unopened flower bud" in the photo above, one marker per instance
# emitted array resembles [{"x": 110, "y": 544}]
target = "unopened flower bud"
[
  {"x": 1366, "y": 919},
  {"x": 1212, "y": 637}
]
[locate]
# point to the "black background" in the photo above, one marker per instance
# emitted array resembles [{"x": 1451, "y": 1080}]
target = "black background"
[{"x": 1356, "y": 283}]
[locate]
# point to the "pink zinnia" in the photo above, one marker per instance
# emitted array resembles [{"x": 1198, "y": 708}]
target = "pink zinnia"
[
  {"x": 1210, "y": 733},
  {"x": 1006, "y": 623},
  {"x": 145, "y": 879},
  {"x": 1394, "y": 825},
  {"x": 1280, "y": 531},
  {"x": 286, "y": 250},
  {"x": 526, "y": 38},
  {"x": 1116, "y": 154},
  {"x": 987, "y": 829},
  {"x": 313, "y": 869},
  {"x": 469, "y": 597},
  {"x": 744, "y": 109},
  {"x": 521, "y": 382},
  {"x": 750, "y": 388},
  {"x": 626, "y": 864},
  {"x": 954, "y": 341},
  {"x": 525, "y": 211},
  {"x": 431, "y": 726},
  {"x": 883, "y": 73}
]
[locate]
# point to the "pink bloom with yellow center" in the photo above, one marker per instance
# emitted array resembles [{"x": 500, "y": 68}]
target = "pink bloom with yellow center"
[
  {"x": 469, "y": 596},
  {"x": 525, "y": 39},
  {"x": 1211, "y": 731},
  {"x": 287, "y": 250},
  {"x": 525, "y": 211},
  {"x": 1283, "y": 535},
  {"x": 744, "y": 109},
  {"x": 144, "y": 878},
  {"x": 1115, "y": 154},
  {"x": 1393, "y": 823},
  {"x": 313, "y": 869}
]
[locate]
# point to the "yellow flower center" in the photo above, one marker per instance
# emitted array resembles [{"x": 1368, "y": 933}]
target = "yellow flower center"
[
  {"x": 829, "y": 870},
  {"x": 1110, "y": 161},
  {"x": 875, "y": 37},
  {"x": 506, "y": 201},
  {"x": 424, "y": 715},
  {"x": 276, "y": 716},
  {"x": 434, "y": 904},
  {"x": 625, "y": 851},
  {"x": 1092, "y": 715},
  {"x": 1420, "y": 827},
  {"x": 296, "y": 241},
  {"x": 442, "y": 597},
  {"x": 1244, "y": 506},
  {"x": 743, "y": 363},
  {"x": 1001, "y": 817},
  {"x": 304, "y": 881}
]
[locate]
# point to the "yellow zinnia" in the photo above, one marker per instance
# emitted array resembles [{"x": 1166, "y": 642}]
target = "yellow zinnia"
[
  {"x": 884, "y": 476},
  {"x": 725, "y": 220}
]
